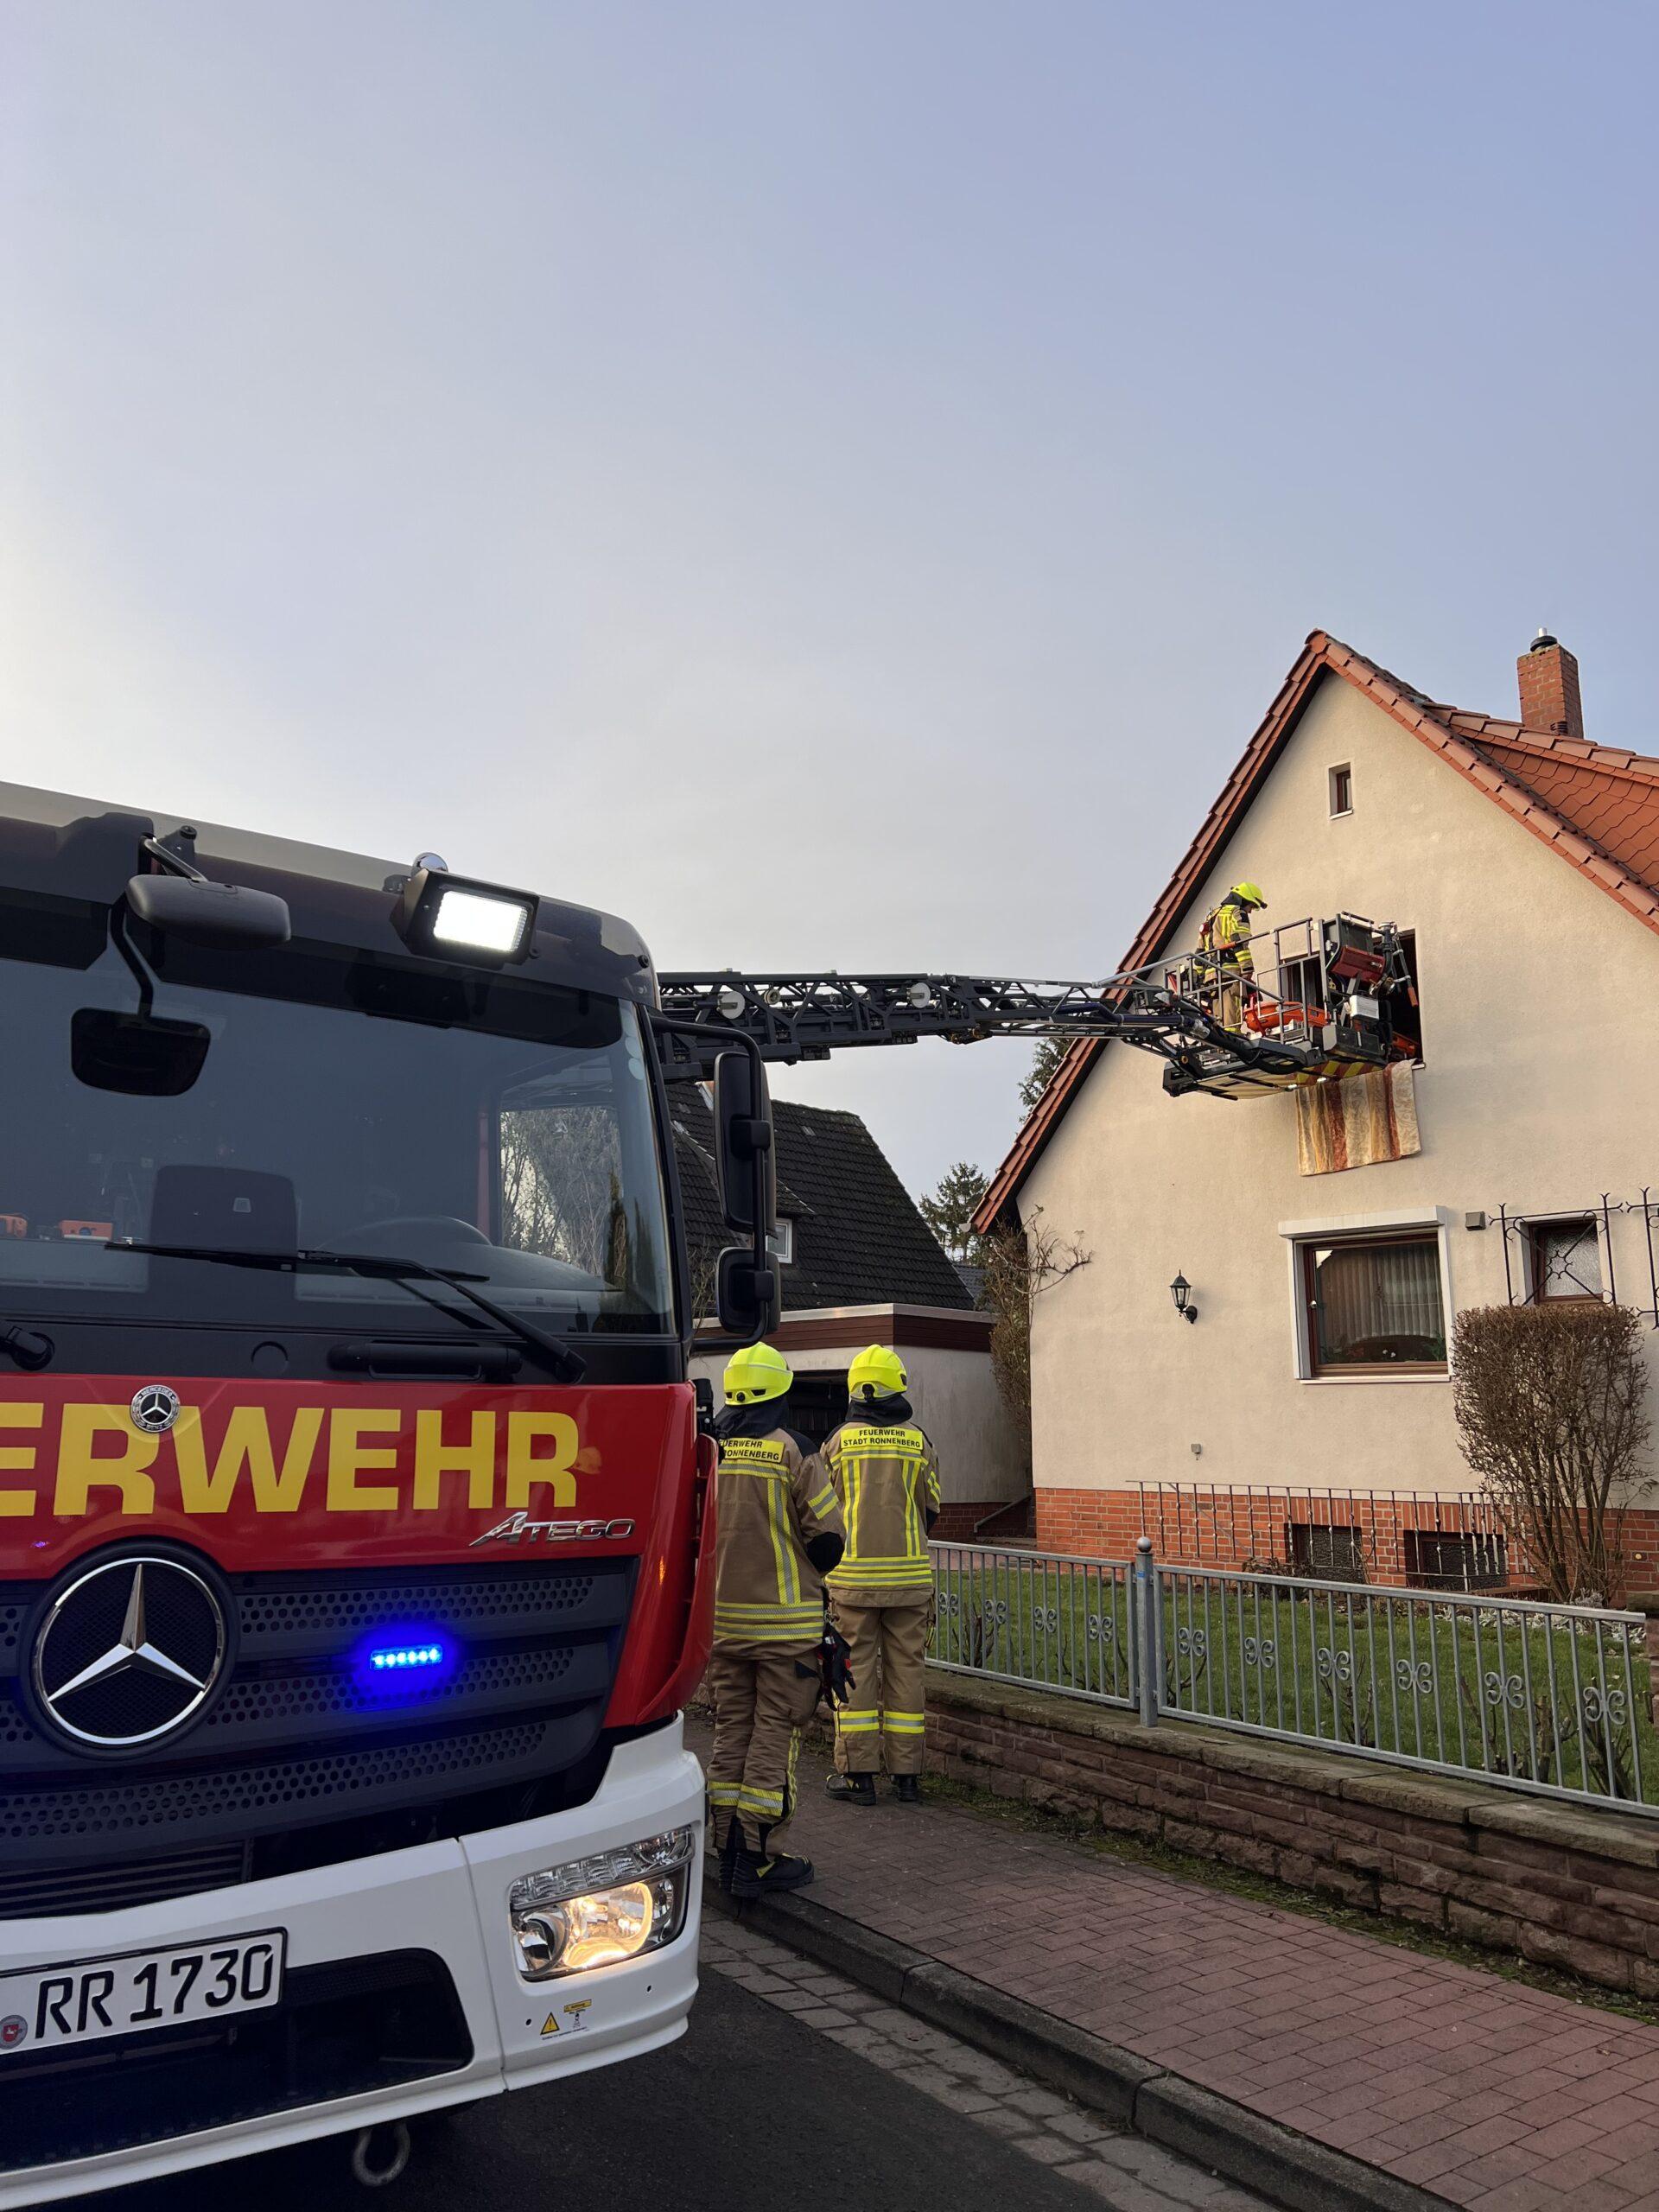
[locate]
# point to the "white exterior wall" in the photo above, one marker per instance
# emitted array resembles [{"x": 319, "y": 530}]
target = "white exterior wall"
[
  {"x": 952, "y": 1390},
  {"x": 1542, "y": 1072}
]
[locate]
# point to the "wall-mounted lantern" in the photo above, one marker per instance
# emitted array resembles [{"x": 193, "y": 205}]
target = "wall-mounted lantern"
[{"x": 1181, "y": 1291}]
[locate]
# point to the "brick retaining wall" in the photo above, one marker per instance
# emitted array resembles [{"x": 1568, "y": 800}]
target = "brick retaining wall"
[{"x": 1564, "y": 1885}]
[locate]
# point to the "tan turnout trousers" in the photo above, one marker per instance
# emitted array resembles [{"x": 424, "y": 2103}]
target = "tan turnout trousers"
[
  {"x": 772, "y": 1497},
  {"x": 761, "y": 1704},
  {"x": 887, "y": 1721}
]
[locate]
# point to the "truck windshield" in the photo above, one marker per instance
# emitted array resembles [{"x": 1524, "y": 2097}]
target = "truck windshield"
[{"x": 500, "y": 1128}]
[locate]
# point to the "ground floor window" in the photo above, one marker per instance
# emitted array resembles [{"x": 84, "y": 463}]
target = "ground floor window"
[
  {"x": 1471, "y": 1558},
  {"x": 1333, "y": 1551},
  {"x": 1375, "y": 1305}
]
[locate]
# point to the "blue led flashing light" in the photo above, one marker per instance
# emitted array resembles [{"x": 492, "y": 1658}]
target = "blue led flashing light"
[{"x": 404, "y": 1655}]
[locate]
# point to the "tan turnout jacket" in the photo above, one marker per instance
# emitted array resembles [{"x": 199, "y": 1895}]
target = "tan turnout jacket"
[
  {"x": 887, "y": 1476},
  {"x": 772, "y": 1497}
]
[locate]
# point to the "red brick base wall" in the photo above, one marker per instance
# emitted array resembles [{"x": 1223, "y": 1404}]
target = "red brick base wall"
[
  {"x": 1198, "y": 1527},
  {"x": 1564, "y": 1885},
  {"x": 956, "y": 1523},
  {"x": 1103, "y": 1522}
]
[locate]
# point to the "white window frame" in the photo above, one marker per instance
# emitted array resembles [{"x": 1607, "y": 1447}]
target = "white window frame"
[
  {"x": 781, "y": 1243},
  {"x": 1338, "y": 768},
  {"x": 1359, "y": 1228}
]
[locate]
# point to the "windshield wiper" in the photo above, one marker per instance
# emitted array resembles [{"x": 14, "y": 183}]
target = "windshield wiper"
[{"x": 563, "y": 1364}]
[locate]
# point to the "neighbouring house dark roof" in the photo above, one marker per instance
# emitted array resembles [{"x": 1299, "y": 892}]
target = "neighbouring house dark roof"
[
  {"x": 1597, "y": 805},
  {"x": 859, "y": 1238}
]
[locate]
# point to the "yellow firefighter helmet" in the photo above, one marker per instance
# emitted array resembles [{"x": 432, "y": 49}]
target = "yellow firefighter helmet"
[
  {"x": 1251, "y": 894},
  {"x": 877, "y": 1372},
  {"x": 756, "y": 1373}
]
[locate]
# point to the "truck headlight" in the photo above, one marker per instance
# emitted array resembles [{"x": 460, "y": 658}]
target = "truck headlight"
[{"x": 599, "y": 1911}]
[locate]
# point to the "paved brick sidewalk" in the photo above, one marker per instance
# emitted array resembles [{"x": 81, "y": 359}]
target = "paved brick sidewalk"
[
  {"x": 1120, "y": 2170},
  {"x": 1481, "y": 2090}
]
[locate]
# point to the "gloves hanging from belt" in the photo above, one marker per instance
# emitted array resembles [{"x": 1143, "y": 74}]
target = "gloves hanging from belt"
[{"x": 834, "y": 1664}]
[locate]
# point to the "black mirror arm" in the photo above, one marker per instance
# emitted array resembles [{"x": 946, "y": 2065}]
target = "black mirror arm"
[
  {"x": 129, "y": 952},
  {"x": 173, "y": 863}
]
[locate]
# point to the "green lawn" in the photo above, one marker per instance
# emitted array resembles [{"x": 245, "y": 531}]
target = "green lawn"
[{"x": 1532, "y": 1697}]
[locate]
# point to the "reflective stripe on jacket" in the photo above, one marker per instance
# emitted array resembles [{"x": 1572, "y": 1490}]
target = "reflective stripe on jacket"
[
  {"x": 771, "y": 1499},
  {"x": 1226, "y": 933},
  {"x": 888, "y": 1480}
]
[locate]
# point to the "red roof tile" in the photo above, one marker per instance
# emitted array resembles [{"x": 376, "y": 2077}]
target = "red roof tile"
[{"x": 1597, "y": 805}]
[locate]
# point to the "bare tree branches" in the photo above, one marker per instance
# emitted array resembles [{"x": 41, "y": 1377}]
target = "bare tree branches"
[{"x": 1020, "y": 1264}]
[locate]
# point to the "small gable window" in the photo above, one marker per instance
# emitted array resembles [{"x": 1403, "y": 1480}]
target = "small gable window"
[{"x": 1342, "y": 791}]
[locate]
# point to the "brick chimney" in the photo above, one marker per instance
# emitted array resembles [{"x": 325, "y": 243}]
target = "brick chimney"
[{"x": 1549, "y": 688}]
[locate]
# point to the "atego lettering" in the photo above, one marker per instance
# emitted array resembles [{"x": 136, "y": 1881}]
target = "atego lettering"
[{"x": 519, "y": 1527}]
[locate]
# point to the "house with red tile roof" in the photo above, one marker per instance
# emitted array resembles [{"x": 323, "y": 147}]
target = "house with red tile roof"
[{"x": 1307, "y": 1414}]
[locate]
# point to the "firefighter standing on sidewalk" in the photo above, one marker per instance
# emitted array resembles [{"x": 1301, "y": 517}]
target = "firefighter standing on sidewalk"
[
  {"x": 777, "y": 1531},
  {"x": 887, "y": 1476}
]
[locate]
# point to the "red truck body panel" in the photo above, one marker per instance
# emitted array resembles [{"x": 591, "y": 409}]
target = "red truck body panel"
[{"x": 265, "y": 1475}]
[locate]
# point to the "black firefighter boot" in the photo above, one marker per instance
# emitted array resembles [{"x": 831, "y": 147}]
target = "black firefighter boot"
[
  {"x": 756, "y": 1876},
  {"x": 729, "y": 1851},
  {"x": 907, "y": 1788},
  {"x": 850, "y": 1789}
]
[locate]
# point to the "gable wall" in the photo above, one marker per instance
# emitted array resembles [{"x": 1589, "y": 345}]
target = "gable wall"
[{"x": 1541, "y": 1091}]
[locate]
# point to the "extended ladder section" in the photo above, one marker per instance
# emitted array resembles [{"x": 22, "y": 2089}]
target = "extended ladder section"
[{"x": 1327, "y": 998}]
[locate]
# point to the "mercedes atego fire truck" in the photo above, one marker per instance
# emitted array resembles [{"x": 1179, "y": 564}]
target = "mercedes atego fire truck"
[
  {"x": 354, "y": 1549},
  {"x": 351, "y": 1496}
]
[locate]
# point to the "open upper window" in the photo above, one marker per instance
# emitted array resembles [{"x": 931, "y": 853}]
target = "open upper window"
[
  {"x": 1375, "y": 1305},
  {"x": 1406, "y": 1006},
  {"x": 1341, "y": 782}
]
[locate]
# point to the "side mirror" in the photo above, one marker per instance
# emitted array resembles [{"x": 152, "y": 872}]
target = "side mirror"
[
  {"x": 746, "y": 1295},
  {"x": 744, "y": 1158},
  {"x": 226, "y": 915},
  {"x": 746, "y": 1281}
]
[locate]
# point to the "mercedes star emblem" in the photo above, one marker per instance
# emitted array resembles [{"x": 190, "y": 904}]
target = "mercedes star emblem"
[
  {"x": 129, "y": 1651},
  {"x": 155, "y": 1408}
]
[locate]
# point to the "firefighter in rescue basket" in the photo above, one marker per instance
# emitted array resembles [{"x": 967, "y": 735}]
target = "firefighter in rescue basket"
[{"x": 1224, "y": 964}]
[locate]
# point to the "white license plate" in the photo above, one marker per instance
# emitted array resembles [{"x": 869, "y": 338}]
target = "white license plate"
[{"x": 46, "y": 2006}]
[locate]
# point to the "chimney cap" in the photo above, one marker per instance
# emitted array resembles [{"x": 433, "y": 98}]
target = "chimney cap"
[{"x": 1542, "y": 642}]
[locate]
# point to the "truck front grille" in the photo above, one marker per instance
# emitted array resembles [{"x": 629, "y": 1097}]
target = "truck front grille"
[
  {"x": 54, "y": 1891},
  {"x": 298, "y": 1742}
]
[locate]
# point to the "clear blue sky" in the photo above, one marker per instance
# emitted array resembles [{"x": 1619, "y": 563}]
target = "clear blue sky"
[{"x": 837, "y": 483}]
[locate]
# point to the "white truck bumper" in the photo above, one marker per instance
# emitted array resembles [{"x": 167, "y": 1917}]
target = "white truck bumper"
[{"x": 448, "y": 1898}]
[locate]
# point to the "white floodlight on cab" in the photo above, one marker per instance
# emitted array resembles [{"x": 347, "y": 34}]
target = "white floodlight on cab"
[{"x": 457, "y": 918}]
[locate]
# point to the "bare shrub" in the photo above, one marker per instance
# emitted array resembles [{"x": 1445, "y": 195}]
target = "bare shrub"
[{"x": 1550, "y": 1406}]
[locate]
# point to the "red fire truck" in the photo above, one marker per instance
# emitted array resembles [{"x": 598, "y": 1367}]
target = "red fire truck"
[{"x": 351, "y": 1496}]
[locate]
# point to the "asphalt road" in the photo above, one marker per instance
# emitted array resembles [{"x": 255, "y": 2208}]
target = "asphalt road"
[{"x": 750, "y": 2112}]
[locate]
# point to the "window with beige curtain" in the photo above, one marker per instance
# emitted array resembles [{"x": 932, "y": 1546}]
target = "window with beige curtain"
[{"x": 1375, "y": 1303}]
